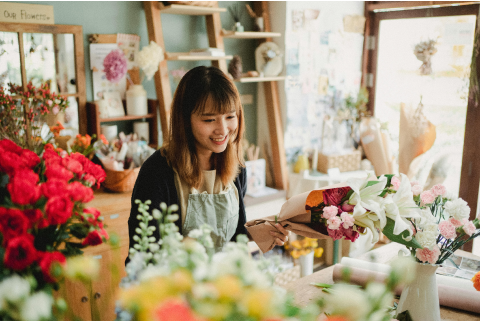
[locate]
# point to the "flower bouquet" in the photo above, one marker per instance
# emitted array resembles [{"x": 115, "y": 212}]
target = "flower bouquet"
[
  {"x": 43, "y": 220},
  {"x": 179, "y": 279},
  {"x": 304, "y": 247}
]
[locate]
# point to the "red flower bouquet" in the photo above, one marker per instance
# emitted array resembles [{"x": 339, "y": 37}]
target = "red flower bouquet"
[{"x": 43, "y": 218}]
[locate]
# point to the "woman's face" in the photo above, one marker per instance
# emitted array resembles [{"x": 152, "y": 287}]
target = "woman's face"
[{"x": 212, "y": 131}]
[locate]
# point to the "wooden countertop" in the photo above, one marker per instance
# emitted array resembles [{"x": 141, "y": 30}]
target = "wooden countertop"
[{"x": 304, "y": 292}]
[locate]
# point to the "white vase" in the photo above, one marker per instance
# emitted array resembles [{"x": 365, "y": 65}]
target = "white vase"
[
  {"x": 306, "y": 264},
  {"x": 136, "y": 98},
  {"x": 420, "y": 297}
]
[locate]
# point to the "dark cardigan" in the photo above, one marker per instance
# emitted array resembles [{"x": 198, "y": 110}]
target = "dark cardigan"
[{"x": 156, "y": 182}]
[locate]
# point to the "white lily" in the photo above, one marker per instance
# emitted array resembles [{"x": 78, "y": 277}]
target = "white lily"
[
  {"x": 401, "y": 206},
  {"x": 365, "y": 198}
]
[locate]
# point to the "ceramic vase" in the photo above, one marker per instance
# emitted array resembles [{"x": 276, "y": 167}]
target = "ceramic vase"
[
  {"x": 306, "y": 264},
  {"x": 420, "y": 297}
]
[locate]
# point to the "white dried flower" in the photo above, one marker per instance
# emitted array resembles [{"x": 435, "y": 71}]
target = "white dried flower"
[
  {"x": 37, "y": 307},
  {"x": 149, "y": 58},
  {"x": 457, "y": 209},
  {"x": 14, "y": 288}
]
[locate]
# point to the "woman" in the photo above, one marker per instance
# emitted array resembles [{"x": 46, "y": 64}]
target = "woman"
[{"x": 200, "y": 167}]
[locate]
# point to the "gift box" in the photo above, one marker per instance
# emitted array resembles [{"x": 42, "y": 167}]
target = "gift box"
[{"x": 344, "y": 162}]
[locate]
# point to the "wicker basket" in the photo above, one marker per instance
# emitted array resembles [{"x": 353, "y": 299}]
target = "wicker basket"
[
  {"x": 120, "y": 181},
  {"x": 344, "y": 162}
]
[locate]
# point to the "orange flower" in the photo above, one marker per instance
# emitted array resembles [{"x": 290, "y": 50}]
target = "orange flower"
[
  {"x": 174, "y": 310},
  {"x": 104, "y": 139},
  {"x": 314, "y": 199},
  {"x": 56, "y": 129},
  {"x": 476, "y": 281}
]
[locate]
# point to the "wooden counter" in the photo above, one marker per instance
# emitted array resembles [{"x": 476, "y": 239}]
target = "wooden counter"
[{"x": 304, "y": 292}]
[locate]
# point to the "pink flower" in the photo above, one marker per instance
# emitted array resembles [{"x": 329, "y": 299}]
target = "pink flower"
[
  {"x": 347, "y": 220},
  {"x": 428, "y": 256},
  {"x": 417, "y": 189},
  {"x": 334, "y": 223},
  {"x": 333, "y": 197},
  {"x": 335, "y": 234},
  {"x": 330, "y": 212},
  {"x": 115, "y": 65},
  {"x": 439, "y": 190},
  {"x": 469, "y": 228},
  {"x": 346, "y": 207},
  {"x": 447, "y": 229},
  {"x": 456, "y": 222},
  {"x": 395, "y": 182},
  {"x": 427, "y": 197},
  {"x": 350, "y": 234},
  {"x": 414, "y": 183}
]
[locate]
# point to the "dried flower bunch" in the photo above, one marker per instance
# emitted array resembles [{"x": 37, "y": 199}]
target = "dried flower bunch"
[
  {"x": 115, "y": 65},
  {"x": 424, "y": 51},
  {"x": 149, "y": 58},
  {"x": 20, "y": 115}
]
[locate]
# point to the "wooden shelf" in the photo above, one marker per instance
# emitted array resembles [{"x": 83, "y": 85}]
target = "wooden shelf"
[
  {"x": 126, "y": 118},
  {"x": 260, "y": 79},
  {"x": 187, "y": 56},
  {"x": 178, "y": 9},
  {"x": 249, "y": 34}
]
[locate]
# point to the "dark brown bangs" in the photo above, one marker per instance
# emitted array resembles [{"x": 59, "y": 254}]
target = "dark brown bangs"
[{"x": 222, "y": 97}]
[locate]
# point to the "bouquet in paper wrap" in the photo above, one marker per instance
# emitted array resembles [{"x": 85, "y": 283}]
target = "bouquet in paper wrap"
[{"x": 347, "y": 210}]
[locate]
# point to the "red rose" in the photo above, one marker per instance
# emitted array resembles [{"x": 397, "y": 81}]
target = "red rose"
[
  {"x": 54, "y": 187},
  {"x": 96, "y": 171},
  {"x": 93, "y": 217},
  {"x": 10, "y": 146},
  {"x": 333, "y": 197},
  {"x": 9, "y": 162},
  {"x": 13, "y": 223},
  {"x": 48, "y": 264},
  {"x": 56, "y": 171},
  {"x": 104, "y": 233},
  {"x": 88, "y": 178},
  {"x": 33, "y": 216},
  {"x": 30, "y": 159},
  {"x": 59, "y": 209},
  {"x": 20, "y": 252},
  {"x": 72, "y": 165},
  {"x": 51, "y": 157},
  {"x": 23, "y": 188},
  {"x": 93, "y": 238},
  {"x": 78, "y": 192}
]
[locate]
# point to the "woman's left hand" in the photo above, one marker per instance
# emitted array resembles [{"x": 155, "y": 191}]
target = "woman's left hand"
[{"x": 281, "y": 235}]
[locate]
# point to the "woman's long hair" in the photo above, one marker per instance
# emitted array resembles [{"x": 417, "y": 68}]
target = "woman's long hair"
[{"x": 192, "y": 92}]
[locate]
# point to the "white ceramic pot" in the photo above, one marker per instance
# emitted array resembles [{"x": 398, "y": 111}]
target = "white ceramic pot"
[
  {"x": 306, "y": 264},
  {"x": 136, "y": 98},
  {"x": 420, "y": 297}
]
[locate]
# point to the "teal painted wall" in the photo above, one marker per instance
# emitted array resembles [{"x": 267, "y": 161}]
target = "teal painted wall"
[{"x": 181, "y": 33}]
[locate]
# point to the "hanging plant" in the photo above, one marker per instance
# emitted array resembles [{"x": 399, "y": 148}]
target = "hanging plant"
[{"x": 424, "y": 51}]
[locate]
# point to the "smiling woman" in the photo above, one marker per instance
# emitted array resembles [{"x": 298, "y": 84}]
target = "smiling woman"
[{"x": 201, "y": 166}]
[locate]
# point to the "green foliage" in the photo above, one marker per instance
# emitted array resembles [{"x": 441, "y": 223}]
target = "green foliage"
[{"x": 388, "y": 231}]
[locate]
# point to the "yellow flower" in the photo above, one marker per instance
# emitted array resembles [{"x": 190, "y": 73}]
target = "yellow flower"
[
  {"x": 182, "y": 280},
  {"x": 304, "y": 252},
  {"x": 258, "y": 303},
  {"x": 296, "y": 244},
  {"x": 82, "y": 268},
  {"x": 228, "y": 287},
  {"x": 318, "y": 252},
  {"x": 313, "y": 243},
  {"x": 295, "y": 253}
]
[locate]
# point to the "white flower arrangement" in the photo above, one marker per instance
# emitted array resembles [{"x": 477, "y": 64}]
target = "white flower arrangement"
[{"x": 149, "y": 58}]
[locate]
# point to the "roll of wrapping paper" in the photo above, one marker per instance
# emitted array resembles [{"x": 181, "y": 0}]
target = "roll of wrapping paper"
[
  {"x": 373, "y": 145},
  {"x": 453, "y": 292}
]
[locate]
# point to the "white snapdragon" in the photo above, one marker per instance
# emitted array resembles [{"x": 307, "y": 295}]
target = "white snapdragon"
[
  {"x": 457, "y": 209},
  {"x": 37, "y": 307}
]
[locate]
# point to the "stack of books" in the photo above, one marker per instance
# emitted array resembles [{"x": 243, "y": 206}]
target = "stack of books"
[{"x": 207, "y": 52}]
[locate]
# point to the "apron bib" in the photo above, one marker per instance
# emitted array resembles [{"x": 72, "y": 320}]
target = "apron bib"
[{"x": 219, "y": 211}]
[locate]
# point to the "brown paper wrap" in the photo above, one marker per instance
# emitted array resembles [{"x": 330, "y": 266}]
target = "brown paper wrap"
[
  {"x": 376, "y": 146},
  {"x": 450, "y": 296},
  {"x": 417, "y": 135},
  {"x": 293, "y": 217}
]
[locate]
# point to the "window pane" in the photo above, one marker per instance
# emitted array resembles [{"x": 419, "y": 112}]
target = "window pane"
[
  {"x": 9, "y": 59},
  {"x": 40, "y": 59},
  {"x": 66, "y": 78}
]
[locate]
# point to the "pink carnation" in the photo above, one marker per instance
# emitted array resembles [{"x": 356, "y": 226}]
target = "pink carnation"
[
  {"x": 350, "y": 234},
  {"x": 439, "y": 190},
  {"x": 414, "y": 183},
  {"x": 330, "y": 212},
  {"x": 456, "y": 222},
  {"x": 417, "y": 189},
  {"x": 447, "y": 229},
  {"x": 115, "y": 65},
  {"x": 426, "y": 255},
  {"x": 334, "y": 223},
  {"x": 346, "y": 207},
  {"x": 469, "y": 228},
  {"x": 335, "y": 234},
  {"x": 347, "y": 220},
  {"x": 427, "y": 197},
  {"x": 395, "y": 182}
]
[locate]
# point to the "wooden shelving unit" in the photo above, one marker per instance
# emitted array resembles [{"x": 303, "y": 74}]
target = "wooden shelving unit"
[
  {"x": 187, "y": 56},
  {"x": 178, "y": 9},
  {"x": 95, "y": 121},
  {"x": 260, "y": 79},
  {"x": 249, "y": 34}
]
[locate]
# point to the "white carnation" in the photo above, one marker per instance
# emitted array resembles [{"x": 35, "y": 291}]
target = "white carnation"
[
  {"x": 149, "y": 58},
  {"x": 37, "y": 307},
  {"x": 417, "y": 189},
  {"x": 427, "y": 238},
  {"x": 14, "y": 288},
  {"x": 426, "y": 216},
  {"x": 457, "y": 209}
]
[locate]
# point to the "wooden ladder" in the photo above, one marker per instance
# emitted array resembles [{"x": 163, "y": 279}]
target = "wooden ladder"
[{"x": 153, "y": 10}]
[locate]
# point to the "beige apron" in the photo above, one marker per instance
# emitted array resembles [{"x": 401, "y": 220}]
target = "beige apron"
[{"x": 219, "y": 211}]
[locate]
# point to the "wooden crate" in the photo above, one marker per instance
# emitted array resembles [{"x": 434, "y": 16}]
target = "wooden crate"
[{"x": 344, "y": 162}]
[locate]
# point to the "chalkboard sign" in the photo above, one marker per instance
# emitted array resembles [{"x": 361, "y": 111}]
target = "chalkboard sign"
[{"x": 26, "y": 13}]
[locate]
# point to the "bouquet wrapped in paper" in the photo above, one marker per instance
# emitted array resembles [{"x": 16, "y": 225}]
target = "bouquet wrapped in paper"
[{"x": 346, "y": 210}]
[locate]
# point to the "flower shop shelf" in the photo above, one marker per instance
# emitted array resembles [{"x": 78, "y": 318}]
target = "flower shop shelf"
[
  {"x": 260, "y": 79},
  {"x": 177, "y": 9},
  {"x": 126, "y": 118},
  {"x": 187, "y": 56},
  {"x": 249, "y": 34}
]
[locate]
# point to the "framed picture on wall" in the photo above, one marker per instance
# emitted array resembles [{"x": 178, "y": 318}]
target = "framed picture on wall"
[{"x": 114, "y": 104}]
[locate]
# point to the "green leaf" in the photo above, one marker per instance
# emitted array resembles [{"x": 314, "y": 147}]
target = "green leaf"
[
  {"x": 388, "y": 231},
  {"x": 404, "y": 316},
  {"x": 321, "y": 285},
  {"x": 79, "y": 231}
]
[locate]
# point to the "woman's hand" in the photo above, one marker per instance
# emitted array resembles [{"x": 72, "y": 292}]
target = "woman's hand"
[{"x": 281, "y": 235}]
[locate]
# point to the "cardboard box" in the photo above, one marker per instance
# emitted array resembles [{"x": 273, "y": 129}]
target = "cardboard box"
[{"x": 344, "y": 162}]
